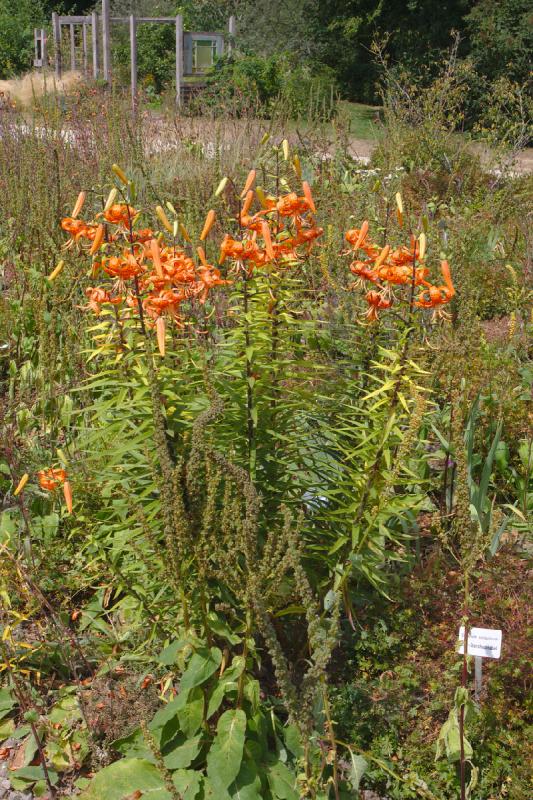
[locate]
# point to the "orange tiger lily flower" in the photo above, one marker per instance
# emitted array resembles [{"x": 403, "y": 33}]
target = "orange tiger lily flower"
[
  {"x": 120, "y": 214},
  {"x": 357, "y": 236}
]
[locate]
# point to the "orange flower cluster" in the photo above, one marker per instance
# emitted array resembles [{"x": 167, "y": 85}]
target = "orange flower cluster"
[
  {"x": 143, "y": 268},
  {"x": 387, "y": 268},
  {"x": 275, "y": 232},
  {"x": 50, "y": 479}
]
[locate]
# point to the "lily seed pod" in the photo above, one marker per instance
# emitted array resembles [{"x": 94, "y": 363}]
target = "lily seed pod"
[
  {"x": 163, "y": 218},
  {"x": 208, "y": 224},
  {"x": 285, "y": 148},
  {"x": 21, "y": 484},
  {"x": 249, "y": 182},
  {"x": 55, "y": 272},
  {"x": 121, "y": 175},
  {"x": 422, "y": 246},
  {"x": 184, "y": 232},
  {"x": 79, "y": 205},
  {"x": 98, "y": 239},
  {"x": 399, "y": 209},
  {"x": 62, "y": 457},
  {"x": 261, "y": 196},
  {"x": 110, "y": 199},
  {"x": 221, "y": 186}
]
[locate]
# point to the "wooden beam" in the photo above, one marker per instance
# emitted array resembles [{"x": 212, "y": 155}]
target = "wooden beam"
[
  {"x": 44, "y": 48},
  {"x": 94, "y": 20},
  {"x": 84, "y": 44},
  {"x": 57, "y": 44},
  {"x": 232, "y": 29},
  {"x": 179, "y": 57},
  {"x": 106, "y": 39},
  {"x": 74, "y": 20},
  {"x": 72, "y": 48},
  {"x": 133, "y": 60}
]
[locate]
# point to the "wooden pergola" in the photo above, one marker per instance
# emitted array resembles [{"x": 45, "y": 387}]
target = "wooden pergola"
[{"x": 186, "y": 42}]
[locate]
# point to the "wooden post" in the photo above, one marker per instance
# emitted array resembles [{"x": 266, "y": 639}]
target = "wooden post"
[
  {"x": 72, "y": 48},
  {"x": 44, "y": 48},
  {"x": 179, "y": 57},
  {"x": 57, "y": 44},
  {"x": 232, "y": 27},
  {"x": 133, "y": 60},
  {"x": 94, "y": 17},
  {"x": 84, "y": 43},
  {"x": 106, "y": 42}
]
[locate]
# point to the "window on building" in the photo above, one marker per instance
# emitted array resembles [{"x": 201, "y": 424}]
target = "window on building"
[{"x": 204, "y": 53}]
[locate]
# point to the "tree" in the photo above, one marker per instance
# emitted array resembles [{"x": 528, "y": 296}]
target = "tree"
[
  {"x": 17, "y": 21},
  {"x": 416, "y": 32}
]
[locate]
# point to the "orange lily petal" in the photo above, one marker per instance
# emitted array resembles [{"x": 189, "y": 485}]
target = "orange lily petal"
[
  {"x": 445, "y": 269},
  {"x": 160, "y": 331},
  {"x": 265, "y": 232},
  {"x": 308, "y": 196},
  {"x": 79, "y": 205},
  {"x": 382, "y": 256},
  {"x": 67, "y": 491},
  {"x": 362, "y": 235},
  {"x": 156, "y": 257},
  {"x": 97, "y": 241}
]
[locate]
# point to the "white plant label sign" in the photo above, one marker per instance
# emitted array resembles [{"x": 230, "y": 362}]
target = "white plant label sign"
[{"x": 483, "y": 642}]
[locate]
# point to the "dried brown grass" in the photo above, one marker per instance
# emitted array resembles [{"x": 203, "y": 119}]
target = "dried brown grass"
[{"x": 23, "y": 91}]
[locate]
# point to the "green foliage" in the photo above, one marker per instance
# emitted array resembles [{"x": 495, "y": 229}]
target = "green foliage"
[
  {"x": 272, "y": 84},
  {"x": 17, "y": 22}
]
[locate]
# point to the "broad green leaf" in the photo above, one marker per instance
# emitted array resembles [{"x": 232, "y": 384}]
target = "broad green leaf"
[
  {"x": 282, "y": 782},
  {"x": 191, "y": 715},
  {"x": 124, "y": 778},
  {"x": 181, "y": 752},
  {"x": 225, "y": 755},
  {"x": 202, "y": 665},
  {"x": 247, "y": 784},
  {"x": 188, "y": 782}
]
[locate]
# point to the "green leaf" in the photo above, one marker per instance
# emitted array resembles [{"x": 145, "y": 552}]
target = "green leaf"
[
  {"x": 125, "y": 777},
  {"x": 181, "y": 752},
  {"x": 225, "y": 755},
  {"x": 191, "y": 715},
  {"x": 282, "y": 782},
  {"x": 188, "y": 782},
  {"x": 358, "y": 767},
  {"x": 247, "y": 784},
  {"x": 202, "y": 665}
]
